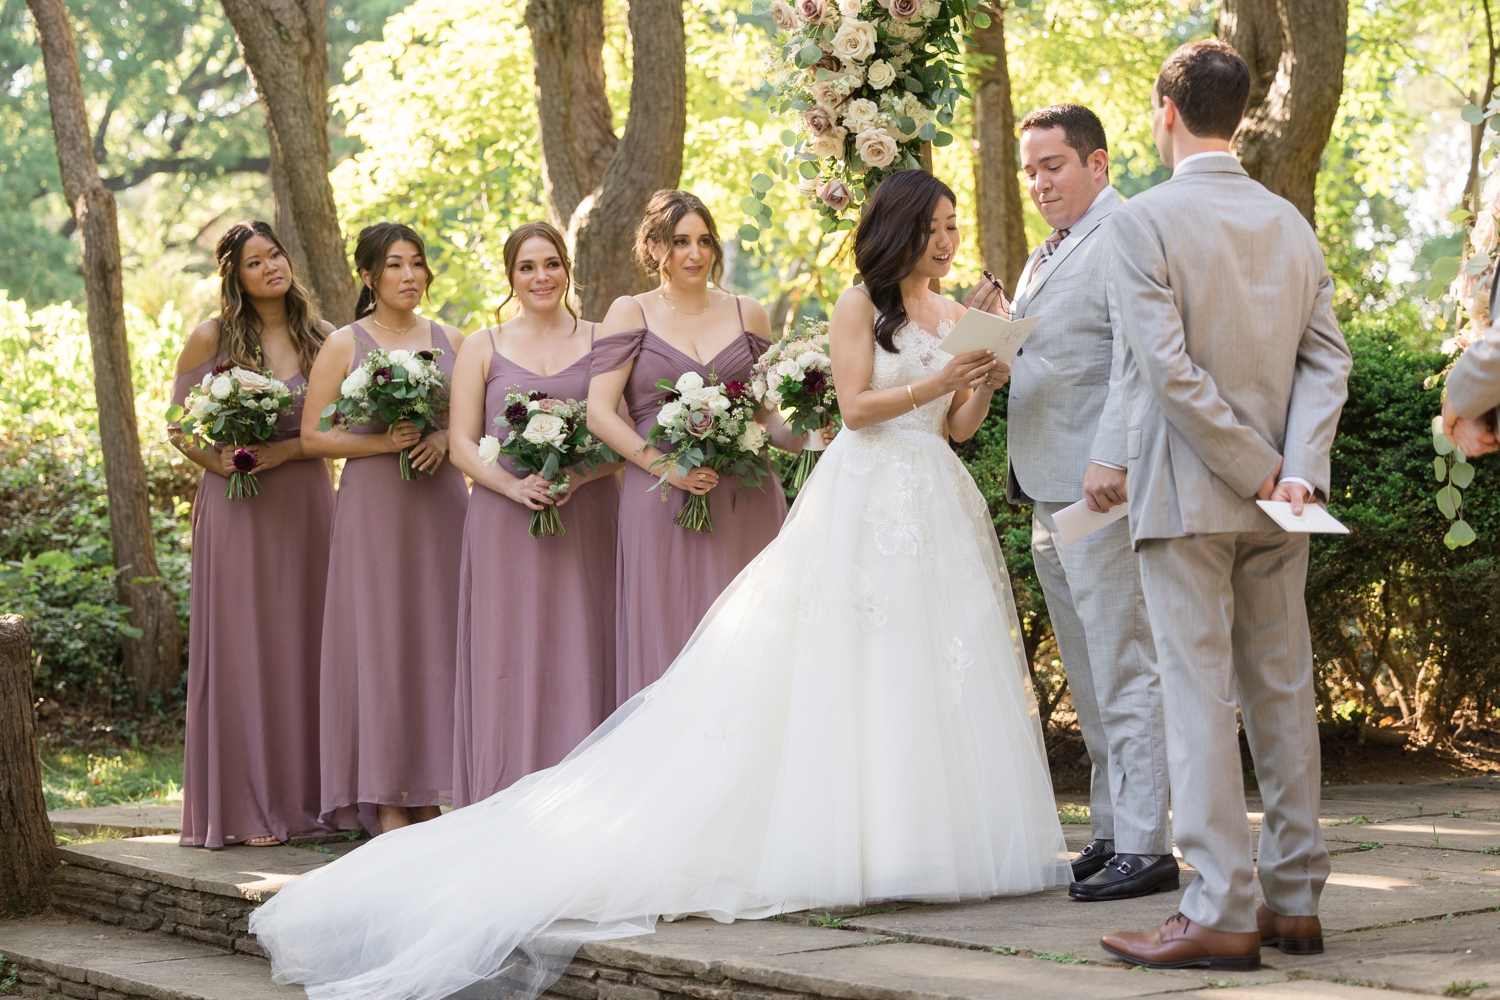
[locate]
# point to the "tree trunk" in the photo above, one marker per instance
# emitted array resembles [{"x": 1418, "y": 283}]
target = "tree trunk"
[
  {"x": 27, "y": 856},
  {"x": 1476, "y": 132},
  {"x": 153, "y": 661},
  {"x": 601, "y": 223},
  {"x": 284, "y": 46},
  {"x": 997, "y": 189},
  {"x": 1295, "y": 49}
]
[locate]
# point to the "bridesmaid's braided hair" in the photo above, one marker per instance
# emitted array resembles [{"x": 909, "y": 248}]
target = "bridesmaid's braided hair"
[
  {"x": 369, "y": 259},
  {"x": 513, "y": 244},
  {"x": 665, "y": 209},
  {"x": 889, "y": 240},
  {"x": 239, "y": 323}
]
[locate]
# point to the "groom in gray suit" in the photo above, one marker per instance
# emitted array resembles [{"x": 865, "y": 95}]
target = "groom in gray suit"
[
  {"x": 1066, "y": 441},
  {"x": 1234, "y": 376}
]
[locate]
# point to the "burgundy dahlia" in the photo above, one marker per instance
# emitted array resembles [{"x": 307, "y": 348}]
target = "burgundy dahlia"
[
  {"x": 814, "y": 382},
  {"x": 244, "y": 460},
  {"x": 382, "y": 375},
  {"x": 426, "y": 355},
  {"x": 515, "y": 414},
  {"x": 537, "y": 394},
  {"x": 221, "y": 369},
  {"x": 735, "y": 390}
]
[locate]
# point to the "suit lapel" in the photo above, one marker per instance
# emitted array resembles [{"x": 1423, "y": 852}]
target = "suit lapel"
[
  {"x": 1024, "y": 282},
  {"x": 1085, "y": 228}
]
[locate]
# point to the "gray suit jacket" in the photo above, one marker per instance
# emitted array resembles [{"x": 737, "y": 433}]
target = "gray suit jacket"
[
  {"x": 1474, "y": 382},
  {"x": 1061, "y": 380},
  {"x": 1231, "y": 355}
]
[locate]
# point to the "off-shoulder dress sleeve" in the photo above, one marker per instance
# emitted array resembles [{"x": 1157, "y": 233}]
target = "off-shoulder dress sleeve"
[{"x": 615, "y": 351}]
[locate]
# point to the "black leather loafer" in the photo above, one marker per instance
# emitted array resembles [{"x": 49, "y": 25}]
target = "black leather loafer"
[
  {"x": 1126, "y": 876},
  {"x": 1092, "y": 858}
]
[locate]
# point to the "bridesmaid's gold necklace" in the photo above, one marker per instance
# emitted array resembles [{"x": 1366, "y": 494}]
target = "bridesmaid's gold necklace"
[
  {"x": 663, "y": 296},
  {"x": 399, "y": 333}
]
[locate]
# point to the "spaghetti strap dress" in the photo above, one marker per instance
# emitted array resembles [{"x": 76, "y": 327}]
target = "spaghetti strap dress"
[
  {"x": 259, "y": 567},
  {"x": 667, "y": 576},
  {"x": 536, "y": 616},
  {"x": 388, "y": 631}
]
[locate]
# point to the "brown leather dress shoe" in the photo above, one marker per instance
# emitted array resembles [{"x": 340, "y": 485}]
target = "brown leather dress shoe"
[
  {"x": 1293, "y": 935},
  {"x": 1181, "y": 944}
]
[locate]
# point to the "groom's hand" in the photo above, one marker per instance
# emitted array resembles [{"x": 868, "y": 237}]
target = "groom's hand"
[
  {"x": 1269, "y": 486},
  {"x": 1293, "y": 493},
  {"x": 1103, "y": 487}
]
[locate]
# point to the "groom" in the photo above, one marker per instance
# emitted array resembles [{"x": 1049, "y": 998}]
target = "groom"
[
  {"x": 1234, "y": 375},
  {"x": 1066, "y": 440}
]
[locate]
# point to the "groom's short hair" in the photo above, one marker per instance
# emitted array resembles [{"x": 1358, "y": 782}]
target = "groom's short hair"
[
  {"x": 1209, "y": 83},
  {"x": 1082, "y": 129}
]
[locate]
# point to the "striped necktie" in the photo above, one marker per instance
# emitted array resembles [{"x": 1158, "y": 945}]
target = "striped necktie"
[{"x": 1050, "y": 247}]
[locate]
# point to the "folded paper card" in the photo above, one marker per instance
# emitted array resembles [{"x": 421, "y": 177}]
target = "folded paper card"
[
  {"x": 1315, "y": 518},
  {"x": 981, "y": 331},
  {"x": 1077, "y": 521}
]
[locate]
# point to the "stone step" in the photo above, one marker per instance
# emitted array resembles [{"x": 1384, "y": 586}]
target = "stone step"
[
  {"x": 52, "y": 958},
  {"x": 134, "y": 819}
]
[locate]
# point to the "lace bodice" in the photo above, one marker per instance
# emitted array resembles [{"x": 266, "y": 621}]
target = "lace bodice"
[{"x": 919, "y": 357}]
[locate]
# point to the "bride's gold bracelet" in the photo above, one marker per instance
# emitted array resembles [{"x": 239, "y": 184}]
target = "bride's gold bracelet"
[{"x": 911, "y": 396}]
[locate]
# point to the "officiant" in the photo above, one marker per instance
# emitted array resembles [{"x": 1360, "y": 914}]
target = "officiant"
[{"x": 1067, "y": 443}]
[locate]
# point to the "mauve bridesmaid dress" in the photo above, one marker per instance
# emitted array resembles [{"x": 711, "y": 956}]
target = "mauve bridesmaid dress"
[
  {"x": 536, "y": 616},
  {"x": 250, "y": 762},
  {"x": 668, "y": 576},
  {"x": 388, "y": 630}
]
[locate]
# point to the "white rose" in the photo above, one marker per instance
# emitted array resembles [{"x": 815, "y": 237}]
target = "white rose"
[
  {"x": 855, "y": 40},
  {"x": 544, "y": 428},
  {"x": 876, "y": 147},
  {"x": 202, "y": 406},
  {"x": 719, "y": 404},
  {"x": 758, "y": 388},
  {"x": 355, "y": 385},
  {"x": 850, "y": 8},
  {"x": 811, "y": 360},
  {"x": 1484, "y": 234},
  {"x": 208, "y": 379},
  {"x": 829, "y": 93},
  {"x": 688, "y": 381},
  {"x": 823, "y": 146},
  {"x": 787, "y": 368},
  {"x": 670, "y": 414},
  {"x": 860, "y": 114},
  {"x": 222, "y": 387},
  {"x": 250, "y": 381},
  {"x": 402, "y": 358},
  {"x": 773, "y": 399},
  {"x": 752, "y": 438},
  {"x": 881, "y": 74},
  {"x": 784, "y": 16},
  {"x": 489, "y": 450}
]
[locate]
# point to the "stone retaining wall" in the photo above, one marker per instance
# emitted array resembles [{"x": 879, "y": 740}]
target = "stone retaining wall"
[
  {"x": 143, "y": 905},
  {"x": 587, "y": 981},
  {"x": 45, "y": 986}
]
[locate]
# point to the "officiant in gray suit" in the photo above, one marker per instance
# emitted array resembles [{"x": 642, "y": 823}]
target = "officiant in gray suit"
[
  {"x": 1474, "y": 392},
  {"x": 1067, "y": 442},
  {"x": 1234, "y": 376}
]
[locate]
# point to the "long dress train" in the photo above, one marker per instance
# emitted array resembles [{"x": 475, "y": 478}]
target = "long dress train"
[{"x": 851, "y": 722}]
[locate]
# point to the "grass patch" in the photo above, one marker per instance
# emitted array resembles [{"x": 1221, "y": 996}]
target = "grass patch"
[
  {"x": 1075, "y": 814},
  {"x": 1464, "y": 987},
  {"x": 1063, "y": 958},
  {"x": 74, "y": 779}
]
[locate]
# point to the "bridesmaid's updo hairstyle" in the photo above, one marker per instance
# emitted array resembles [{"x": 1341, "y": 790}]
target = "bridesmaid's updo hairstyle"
[
  {"x": 369, "y": 258},
  {"x": 659, "y": 225},
  {"x": 239, "y": 323},
  {"x": 889, "y": 240},
  {"x": 513, "y": 244}
]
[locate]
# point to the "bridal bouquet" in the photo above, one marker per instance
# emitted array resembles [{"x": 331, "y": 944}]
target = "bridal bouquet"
[
  {"x": 393, "y": 386},
  {"x": 867, "y": 84},
  {"x": 795, "y": 376},
  {"x": 546, "y": 436},
  {"x": 235, "y": 407},
  {"x": 708, "y": 425}
]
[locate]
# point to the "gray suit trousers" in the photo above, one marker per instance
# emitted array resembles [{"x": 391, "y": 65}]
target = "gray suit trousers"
[
  {"x": 1231, "y": 631},
  {"x": 1093, "y": 591}
]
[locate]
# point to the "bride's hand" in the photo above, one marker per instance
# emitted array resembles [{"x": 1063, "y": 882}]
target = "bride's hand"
[
  {"x": 697, "y": 481},
  {"x": 967, "y": 371}
]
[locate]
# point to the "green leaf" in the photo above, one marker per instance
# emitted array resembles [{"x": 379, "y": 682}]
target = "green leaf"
[
  {"x": 945, "y": 116},
  {"x": 927, "y": 132},
  {"x": 174, "y": 414},
  {"x": 808, "y": 170},
  {"x": 130, "y": 631},
  {"x": 1448, "y": 500},
  {"x": 764, "y": 183},
  {"x": 943, "y": 139},
  {"x": 808, "y": 54},
  {"x": 788, "y": 137},
  {"x": 846, "y": 224},
  {"x": 1459, "y": 534},
  {"x": 906, "y": 124},
  {"x": 1440, "y": 469},
  {"x": 1477, "y": 264},
  {"x": 1460, "y": 215},
  {"x": 749, "y": 233},
  {"x": 760, "y": 6},
  {"x": 912, "y": 84},
  {"x": 1440, "y": 442},
  {"x": 1445, "y": 269},
  {"x": 750, "y": 205},
  {"x": 1472, "y": 114},
  {"x": 1463, "y": 475},
  {"x": 981, "y": 20},
  {"x": 828, "y": 225}
]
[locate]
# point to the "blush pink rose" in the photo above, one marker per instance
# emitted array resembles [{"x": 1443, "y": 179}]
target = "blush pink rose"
[
  {"x": 784, "y": 16},
  {"x": 819, "y": 120},
  {"x": 835, "y": 194},
  {"x": 904, "y": 10},
  {"x": 699, "y": 423},
  {"x": 811, "y": 11},
  {"x": 548, "y": 404}
]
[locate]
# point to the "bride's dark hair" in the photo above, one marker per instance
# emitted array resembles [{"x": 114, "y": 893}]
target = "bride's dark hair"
[{"x": 889, "y": 240}]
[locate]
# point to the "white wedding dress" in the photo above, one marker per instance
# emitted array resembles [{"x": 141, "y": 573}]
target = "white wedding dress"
[{"x": 852, "y": 721}]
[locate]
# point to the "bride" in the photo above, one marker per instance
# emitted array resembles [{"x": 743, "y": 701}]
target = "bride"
[{"x": 851, "y": 721}]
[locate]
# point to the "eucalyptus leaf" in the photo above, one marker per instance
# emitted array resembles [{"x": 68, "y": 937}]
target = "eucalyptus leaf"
[
  {"x": 788, "y": 137},
  {"x": 981, "y": 19},
  {"x": 1463, "y": 474},
  {"x": 749, "y": 233},
  {"x": 808, "y": 54},
  {"x": 1477, "y": 264},
  {"x": 1460, "y": 215},
  {"x": 1459, "y": 534},
  {"x": 912, "y": 84},
  {"x": 808, "y": 170},
  {"x": 1445, "y": 269},
  {"x": 906, "y": 124},
  {"x": 1448, "y": 500},
  {"x": 1440, "y": 469},
  {"x": 1472, "y": 114},
  {"x": 927, "y": 132},
  {"x": 750, "y": 205},
  {"x": 943, "y": 139},
  {"x": 762, "y": 183}
]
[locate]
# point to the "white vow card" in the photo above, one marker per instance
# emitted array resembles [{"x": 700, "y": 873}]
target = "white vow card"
[
  {"x": 1315, "y": 518},
  {"x": 1077, "y": 521},
  {"x": 978, "y": 330}
]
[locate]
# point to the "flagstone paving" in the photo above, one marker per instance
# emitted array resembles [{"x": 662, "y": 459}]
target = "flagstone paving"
[{"x": 1413, "y": 905}]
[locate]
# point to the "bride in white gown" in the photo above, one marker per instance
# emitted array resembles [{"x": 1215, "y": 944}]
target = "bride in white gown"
[{"x": 852, "y": 720}]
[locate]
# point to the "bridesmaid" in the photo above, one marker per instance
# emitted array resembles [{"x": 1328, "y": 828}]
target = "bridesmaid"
[
  {"x": 250, "y": 772},
  {"x": 392, "y": 606},
  {"x": 668, "y": 576},
  {"x": 536, "y": 616}
]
